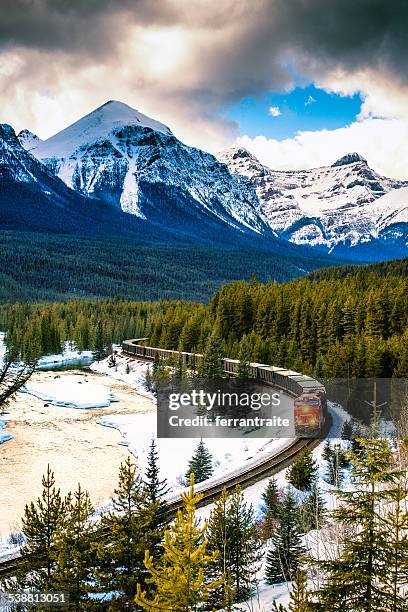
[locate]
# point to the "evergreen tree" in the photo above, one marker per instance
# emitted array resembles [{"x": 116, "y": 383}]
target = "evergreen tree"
[
  {"x": 99, "y": 351},
  {"x": 270, "y": 508},
  {"x": 212, "y": 365},
  {"x": 347, "y": 430},
  {"x": 283, "y": 558},
  {"x": 179, "y": 579},
  {"x": 355, "y": 581},
  {"x": 244, "y": 357},
  {"x": 395, "y": 521},
  {"x": 73, "y": 552},
  {"x": 201, "y": 464},
  {"x": 233, "y": 534},
  {"x": 132, "y": 530},
  {"x": 218, "y": 535},
  {"x": 299, "y": 597},
  {"x": 336, "y": 462},
  {"x": 40, "y": 523},
  {"x": 313, "y": 510},
  {"x": 156, "y": 490},
  {"x": 303, "y": 471}
]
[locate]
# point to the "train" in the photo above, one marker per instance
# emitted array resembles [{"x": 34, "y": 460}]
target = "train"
[{"x": 310, "y": 406}]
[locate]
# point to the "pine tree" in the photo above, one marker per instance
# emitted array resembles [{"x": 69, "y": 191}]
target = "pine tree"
[
  {"x": 201, "y": 464},
  {"x": 245, "y": 549},
  {"x": 354, "y": 581},
  {"x": 232, "y": 533},
  {"x": 396, "y": 549},
  {"x": 270, "y": 508},
  {"x": 313, "y": 510},
  {"x": 40, "y": 523},
  {"x": 347, "y": 430},
  {"x": 156, "y": 490},
  {"x": 212, "y": 365},
  {"x": 303, "y": 471},
  {"x": 336, "y": 462},
  {"x": 244, "y": 357},
  {"x": 299, "y": 596},
  {"x": 179, "y": 579},
  {"x": 283, "y": 559},
  {"x": 99, "y": 351},
  {"x": 73, "y": 552},
  {"x": 218, "y": 542},
  {"x": 132, "y": 529}
]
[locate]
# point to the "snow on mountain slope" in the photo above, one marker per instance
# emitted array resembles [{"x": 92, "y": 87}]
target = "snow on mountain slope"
[
  {"x": 121, "y": 156},
  {"x": 29, "y": 140},
  {"x": 338, "y": 206}
]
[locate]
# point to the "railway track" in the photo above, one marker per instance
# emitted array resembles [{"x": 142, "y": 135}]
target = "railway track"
[{"x": 269, "y": 466}]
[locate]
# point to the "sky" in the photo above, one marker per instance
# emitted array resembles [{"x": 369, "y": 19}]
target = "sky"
[{"x": 297, "y": 82}]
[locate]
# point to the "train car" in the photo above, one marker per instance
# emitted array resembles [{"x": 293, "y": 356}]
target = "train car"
[{"x": 231, "y": 366}]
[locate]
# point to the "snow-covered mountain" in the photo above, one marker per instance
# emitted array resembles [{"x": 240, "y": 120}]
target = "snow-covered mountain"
[
  {"x": 346, "y": 208},
  {"x": 121, "y": 156}
]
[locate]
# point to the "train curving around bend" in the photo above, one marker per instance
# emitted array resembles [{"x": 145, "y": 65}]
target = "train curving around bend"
[{"x": 310, "y": 404}]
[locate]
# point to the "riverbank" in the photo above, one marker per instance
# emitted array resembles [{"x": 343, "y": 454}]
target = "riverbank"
[{"x": 77, "y": 448}]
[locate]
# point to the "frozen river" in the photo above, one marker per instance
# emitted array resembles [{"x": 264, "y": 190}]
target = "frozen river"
[{"x": 77, "y": 448}]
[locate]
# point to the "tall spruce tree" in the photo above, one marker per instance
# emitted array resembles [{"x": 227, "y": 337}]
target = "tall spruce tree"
[
  {"x": 356, "y": 580},
  {"x": 218, "y": 535},
  {"x": 156, "y": 489},
  {"x": 40, "y": 523},
  {"x": 270, "y": 508},
  {"x": 132, "y": 530},
  {"x": 99, "y": 351},
  {"x": 299, "y": 596},
  {"x": 244, "y": 546},
  {"x": 201, "y": 464},
  {"x": 283, "y": 558},
  {"x": 303, "y": 471},
  {"x": 212, "y": 365},
  {"x": 73, "y": 552},
  {"x": 313, "y": 510},
  {"x": 179, "y": 579}
]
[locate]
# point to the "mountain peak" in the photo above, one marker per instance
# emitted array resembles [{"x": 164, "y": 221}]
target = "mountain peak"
[
  {"x": 7, "y": 133},
  {"x": 97, "y": 125},
  {"x": 28, "y": 140},
  {"x": 349, "y": 158}
]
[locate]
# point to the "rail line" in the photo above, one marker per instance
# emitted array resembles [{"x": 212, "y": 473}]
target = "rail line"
[
  {"x": 272, "y": 465},
  {"x": 269, "y": 466}
]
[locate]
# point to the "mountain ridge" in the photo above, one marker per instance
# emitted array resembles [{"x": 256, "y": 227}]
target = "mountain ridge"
[{"x": 340, "y": 208}]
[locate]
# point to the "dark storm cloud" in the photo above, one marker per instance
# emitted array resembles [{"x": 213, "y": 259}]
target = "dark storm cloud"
[
  {"x": 72, "y": 25},
  {"x": 238, "y": 48}
]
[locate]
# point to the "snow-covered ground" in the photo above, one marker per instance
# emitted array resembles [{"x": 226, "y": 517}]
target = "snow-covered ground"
[
  {"x": 71, "y": 395},
  {"x": 66, "y": 358}
]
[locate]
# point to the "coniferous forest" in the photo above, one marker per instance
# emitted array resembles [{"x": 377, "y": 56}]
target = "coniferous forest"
[{"x": 344, "y": 322}]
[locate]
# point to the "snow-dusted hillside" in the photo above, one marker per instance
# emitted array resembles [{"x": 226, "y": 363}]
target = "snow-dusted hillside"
[
  {"x": 134, "y": 162},
  {"x": 333, "y": 207}
]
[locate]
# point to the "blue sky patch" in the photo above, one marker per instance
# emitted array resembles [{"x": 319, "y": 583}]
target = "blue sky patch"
[{"x": 282, "y": 115}]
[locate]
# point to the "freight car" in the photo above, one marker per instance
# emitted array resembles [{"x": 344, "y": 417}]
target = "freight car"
[{"x": 310, "y": 404}]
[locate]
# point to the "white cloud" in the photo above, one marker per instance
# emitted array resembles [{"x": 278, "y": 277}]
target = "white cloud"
[
  {"x": 274, "y": 111},
  {"x": 383, "y": 142}
]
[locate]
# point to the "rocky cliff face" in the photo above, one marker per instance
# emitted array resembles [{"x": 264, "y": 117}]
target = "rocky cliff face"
[{"x": 336, "y": 208}]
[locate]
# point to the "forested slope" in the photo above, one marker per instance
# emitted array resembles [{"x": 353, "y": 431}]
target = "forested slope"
[{"x": 353, "y": 325}]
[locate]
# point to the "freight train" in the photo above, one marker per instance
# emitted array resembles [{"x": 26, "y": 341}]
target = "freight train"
[{"x": 310, "y": 406}]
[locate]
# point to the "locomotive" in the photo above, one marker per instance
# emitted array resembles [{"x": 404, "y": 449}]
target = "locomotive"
[{"x": 310, "y": 404}]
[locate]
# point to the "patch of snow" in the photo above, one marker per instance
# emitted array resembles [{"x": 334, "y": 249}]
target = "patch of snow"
[{"x": 80, "y": 395}]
